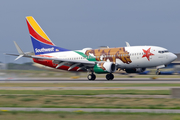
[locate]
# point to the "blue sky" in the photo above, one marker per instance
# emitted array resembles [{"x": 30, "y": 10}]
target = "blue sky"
[{"x": 77, "y": 24}]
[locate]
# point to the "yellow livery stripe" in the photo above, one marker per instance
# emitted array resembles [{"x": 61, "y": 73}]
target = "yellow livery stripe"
[{"x": 37, "y": 28}]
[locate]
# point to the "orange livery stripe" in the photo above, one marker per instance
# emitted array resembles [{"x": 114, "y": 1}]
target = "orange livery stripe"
[{"x": 36, "y": 31}]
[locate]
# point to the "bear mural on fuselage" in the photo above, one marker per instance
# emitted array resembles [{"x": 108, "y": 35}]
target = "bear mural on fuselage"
[{"x": 110, "y": 54}]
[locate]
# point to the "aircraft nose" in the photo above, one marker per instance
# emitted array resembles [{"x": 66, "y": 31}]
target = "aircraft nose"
[{"x": 172, "y": 57}]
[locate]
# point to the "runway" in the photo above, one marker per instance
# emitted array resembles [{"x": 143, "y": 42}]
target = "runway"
[
  {"x": 84, "y": 80},
  {"x": 91, "y": 110},
  {"x": 87, "y": 88}
]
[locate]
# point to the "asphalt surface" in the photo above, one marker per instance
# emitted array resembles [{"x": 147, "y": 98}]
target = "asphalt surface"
[
  {"x": 84, "y": 80},
  {"x": 86, "y": 88},
  {"x": 91, "y": 110}
]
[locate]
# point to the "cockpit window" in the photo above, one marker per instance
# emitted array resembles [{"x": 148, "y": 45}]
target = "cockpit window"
[{"x": 165, "y": 51}]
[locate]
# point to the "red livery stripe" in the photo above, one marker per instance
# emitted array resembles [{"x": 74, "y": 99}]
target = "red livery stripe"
[{"x": 37, "y": 36}]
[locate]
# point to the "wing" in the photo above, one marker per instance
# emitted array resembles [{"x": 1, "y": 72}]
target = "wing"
[{"x": 82, "y": 64}]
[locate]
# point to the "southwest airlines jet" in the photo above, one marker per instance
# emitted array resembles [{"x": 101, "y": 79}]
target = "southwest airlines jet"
[{"x": 132, "y": 59}]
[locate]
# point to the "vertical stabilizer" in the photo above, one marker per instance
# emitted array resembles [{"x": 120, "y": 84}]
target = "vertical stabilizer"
[{"x": 41, "y": 42}]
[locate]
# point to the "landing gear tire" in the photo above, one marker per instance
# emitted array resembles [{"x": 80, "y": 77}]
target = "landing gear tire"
[
  {"x": 91, "y": 77},
  {"x": 110, "y": 76}
]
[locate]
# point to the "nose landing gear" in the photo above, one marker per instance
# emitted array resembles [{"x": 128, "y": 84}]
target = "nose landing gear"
[{"x": 158, "y": 72}]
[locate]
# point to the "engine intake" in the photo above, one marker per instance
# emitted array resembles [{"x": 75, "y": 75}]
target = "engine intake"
[{"x": 105, "y": 67}]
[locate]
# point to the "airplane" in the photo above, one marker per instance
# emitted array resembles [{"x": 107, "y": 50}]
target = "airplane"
[{"x": 132, "y": 59}]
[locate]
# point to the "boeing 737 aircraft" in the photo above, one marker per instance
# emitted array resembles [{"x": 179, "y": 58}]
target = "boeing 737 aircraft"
[{"x": 132, "y": 59}]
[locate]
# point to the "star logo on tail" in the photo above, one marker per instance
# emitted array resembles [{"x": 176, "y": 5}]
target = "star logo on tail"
[{"x": 147, "y": 54}]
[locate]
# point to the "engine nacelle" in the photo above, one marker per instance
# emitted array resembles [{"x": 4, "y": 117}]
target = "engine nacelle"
[
  {"x": 105, "y": 67},
  {"x": 135, "y": 70}
]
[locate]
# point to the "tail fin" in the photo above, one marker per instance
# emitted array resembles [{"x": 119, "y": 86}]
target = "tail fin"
[{"x": 41, "y": 42}]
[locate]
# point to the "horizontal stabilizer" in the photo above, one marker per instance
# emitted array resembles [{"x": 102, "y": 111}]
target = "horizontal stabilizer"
[{"x": 18, "y": 57}]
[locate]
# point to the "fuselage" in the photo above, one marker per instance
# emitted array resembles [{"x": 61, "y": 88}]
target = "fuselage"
[
  {"x": 132, "y": 59},
  {"x": 123, "y": 57}
]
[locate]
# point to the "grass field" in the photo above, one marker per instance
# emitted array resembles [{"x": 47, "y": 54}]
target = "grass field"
[
  {"x": 51, "y": 98},
  {"x": 35, "y": 115},
  {"x": 55, "y": 101},
  {"x": 85, "y": 92}
]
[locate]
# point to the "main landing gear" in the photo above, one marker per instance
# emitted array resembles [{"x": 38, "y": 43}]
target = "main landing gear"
[
  {"x": 110, "y": 76},
  {"x": 92, "y": 76}
]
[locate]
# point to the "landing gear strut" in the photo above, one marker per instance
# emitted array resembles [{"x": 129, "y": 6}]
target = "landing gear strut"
[
  {"x": 91, "y": 76},
  {"x": 158, "y": 72},
  {"x": 110, "y": 76}
]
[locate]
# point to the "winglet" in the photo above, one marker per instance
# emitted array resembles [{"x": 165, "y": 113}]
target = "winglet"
[
  {"x": 127, "y": 44},
  {"x": 21, "y": 53}
]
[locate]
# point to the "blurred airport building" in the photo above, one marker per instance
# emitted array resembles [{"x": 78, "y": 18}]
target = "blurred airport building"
[{"x": 3, "y": 66}]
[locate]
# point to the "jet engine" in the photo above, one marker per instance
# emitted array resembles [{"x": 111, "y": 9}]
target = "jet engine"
[
  {"x": 135, "y": 70},
  {"x": 104, "y": 67}
]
